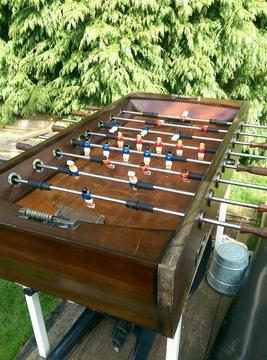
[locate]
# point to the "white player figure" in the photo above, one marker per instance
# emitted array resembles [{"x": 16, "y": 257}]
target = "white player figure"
[
  {"x": 119, "y": 139},
  {"x": 184, "y": 115},
  {"x": 147, "y": 155},
  {"x": 105, "y": 148},
  {"x": 201, "y": 151},
  {"x": 169, "y": 159},
  {"x": 139, "y": 142},
  {"x": 179, "y": 148},
  {"x": 87, "y": 196},
  {"x": 158, "y": 145},
  {"x": 73, "y": 169},
  {"x": 86, "y": 147},
  {"x": 126, "y": 152},
  {"x": 133, "y": 180}
]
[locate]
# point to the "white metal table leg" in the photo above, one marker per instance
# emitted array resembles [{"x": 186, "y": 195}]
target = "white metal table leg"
[
  {"x": 173, "y": 345},
  {"x": 222, "y": 217},
  {"x": 37, "y": 319}
]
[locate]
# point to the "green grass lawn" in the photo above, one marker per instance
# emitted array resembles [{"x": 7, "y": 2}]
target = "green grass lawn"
[
  {"x": 246, "y": 194},
  {"x": 15, "y": 325}
]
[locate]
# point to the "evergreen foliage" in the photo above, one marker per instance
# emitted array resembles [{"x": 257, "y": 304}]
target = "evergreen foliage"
[{"x": 63, "y": 54}]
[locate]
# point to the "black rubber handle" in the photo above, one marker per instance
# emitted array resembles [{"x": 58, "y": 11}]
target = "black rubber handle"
[
  {"x": 211, "y": 150},
  {"x": 218, "y": 122},
  {"x": 111, "y": 136},
  {"x": 76, "y": 142},
  {"x": 151, "y": 114},
  {"x": 38, "y": 185},
  {"x": 150, "y": 122},
  {"x": 137, "y": 205},
  {"x": 144, "y": 185},
  {"x": 97, "y": 159},
  {"x": 64, "y": 170},
  {"x": 185, "y": 136},
  {"x": 210, "y": 130},
  {"x": 195, "y": 176},
  {"x": 179, "y": 158}
]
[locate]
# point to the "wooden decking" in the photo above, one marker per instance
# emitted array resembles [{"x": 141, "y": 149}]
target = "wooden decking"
[{"x": 202, "y": 318}]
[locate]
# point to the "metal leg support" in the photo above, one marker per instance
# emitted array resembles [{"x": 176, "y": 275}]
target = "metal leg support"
[
  {"x": 144, "y": 342},
  {"x": 173, "y": 345},
  {"x": 37, "y": 319},
  {"x": 222, "y": 217}
]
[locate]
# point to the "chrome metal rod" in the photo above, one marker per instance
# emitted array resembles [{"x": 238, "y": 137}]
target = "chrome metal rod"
[
  {"x": 238, "y": 183},
  {"x": 258, "y": 157},
  {"x": 62, "y": 153},
  {"x": 250, "y": 134},
  {"x": 220, "y": 223},
  {"x": 253, "y": 126},
  {"x": 162, "y": 123},
  {"x": 206, "y": 138},
  {"x": 233, "y": 202},
  {"x": 172, "y": 117},
  {"x": 111, "y": 199},
  {"x": 144, "y": 141},
  {"x": 69, "y": 120},
  {"x": 103, "y": 177}
]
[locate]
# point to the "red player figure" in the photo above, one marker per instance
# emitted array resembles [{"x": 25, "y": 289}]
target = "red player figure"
[
  {"x": 158, "y": 145},
  {"x": 133, "y": 180},
  {"x": 179, "y": 148},
  {"x": 73, "y": 169},
  {"x": 185, "y": 175},
  {"x": 108, "y": 164},
  {"x": 201, "y": 151},
  {"x": 119, "y": 139},
  {"x": 139, "y": 142},
  {"x": 144, "y": 169}
]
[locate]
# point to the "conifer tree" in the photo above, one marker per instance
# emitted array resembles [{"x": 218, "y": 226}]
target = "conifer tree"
[{"x": 62, "y": 54}]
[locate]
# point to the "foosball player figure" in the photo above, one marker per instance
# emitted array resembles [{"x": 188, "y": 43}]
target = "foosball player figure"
[
  {"x": 73, "y": 169},
  {"x": 119, "y": 139},
  {"x": 86, "y": 147},
  {"x": 126, "y": 152},
  {"x": 184, "y": 115},
  {"x": 144, "y": 169},
  {"x": 201, "y": 151},
  {"x": 179, "y": 148},
  {"x": 158, "y": 145},
  {"x": 105, "y": 148},
  {"x": 139, "y": 142},
  {"x": 147, "y": 155},
  {"x": 185, "y": 175},
  {"x": 108, "y": 163},
  {"x": 132, "y": 180},
  {"x": 87, "y": 196},
  {"x": 169, "y": 159}
]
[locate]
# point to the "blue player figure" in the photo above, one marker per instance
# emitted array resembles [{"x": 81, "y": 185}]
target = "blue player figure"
[
  {"x": 87, "y": 196},
  {"x": 169, "y": 157},
  {"x": 147, "y": 155},
  {"x": 105, "y": 148},
  {"x": 132, "y": 180},
  {"x": 86, "y": 147},
  {"x": 73, "y": 169},
  {"x": 126, "y": 152}
]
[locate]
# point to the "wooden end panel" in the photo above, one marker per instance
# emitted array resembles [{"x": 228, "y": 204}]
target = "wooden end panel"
[{"x": 117, "y": 285}]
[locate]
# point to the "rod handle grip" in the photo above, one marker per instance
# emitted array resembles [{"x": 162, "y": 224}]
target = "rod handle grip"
[
  {"x": 261, "y": 232},
  {"x": 252, "y": 169},
  {"x": 262, "y": 208},
  {"x": 23, "y": 146},
  {"x": 79, "y": 113},
  {"x": 58, "y": 128},
  {"x": 258, "y": 145}
]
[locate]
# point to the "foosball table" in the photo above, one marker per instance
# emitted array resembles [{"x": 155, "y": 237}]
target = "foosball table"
[{"x": 115, "y": 211}]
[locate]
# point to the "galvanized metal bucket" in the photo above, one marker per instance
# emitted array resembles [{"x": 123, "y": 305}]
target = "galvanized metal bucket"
[{"x": 228, "y": 266}]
